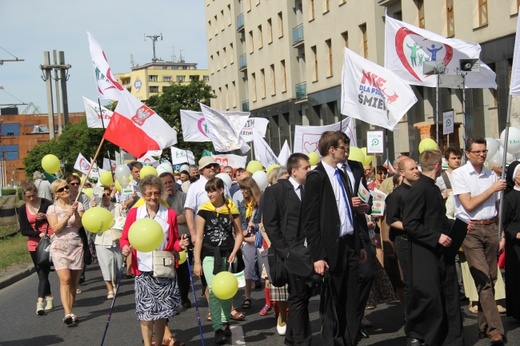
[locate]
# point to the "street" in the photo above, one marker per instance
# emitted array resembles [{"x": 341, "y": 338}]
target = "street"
[{"x": 21, "y": 325}]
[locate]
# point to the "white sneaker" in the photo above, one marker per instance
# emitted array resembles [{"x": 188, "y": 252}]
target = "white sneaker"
[
  {"x": 49, "y": 304},
  {"x": 281, "y": 329},
  {"x": 39, "y": 309}
]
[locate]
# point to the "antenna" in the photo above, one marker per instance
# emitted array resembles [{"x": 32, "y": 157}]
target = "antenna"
[
  {"x": 132, "y": 62},
  {"x": 154, "y": 39},
  {"x": 181, "y": 58}
]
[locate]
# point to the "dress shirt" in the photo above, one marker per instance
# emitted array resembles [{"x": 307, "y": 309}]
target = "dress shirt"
[
  {"x": 297, "y": 187},
  {"x": 346, "y": 226}
]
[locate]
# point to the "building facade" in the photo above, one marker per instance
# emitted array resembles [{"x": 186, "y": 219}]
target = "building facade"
[
  {"x": 150, "y": 79},
  {"x": 282, "y": 60}
]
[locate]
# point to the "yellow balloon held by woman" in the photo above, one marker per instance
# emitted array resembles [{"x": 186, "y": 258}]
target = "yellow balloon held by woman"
[
  {"x": 314, "y": 158},
  {"x": 182, "y": 257},
  {"x": 50, "y": 163},
  {"x": 427, "y": 144},
  {"x": 147, "y": 170},
  {"x": 224, "y": 285},
  {"x": 105, "y": 178},
  {"x": 145, "y": 235},
  {"x": 97, "y": 220}
]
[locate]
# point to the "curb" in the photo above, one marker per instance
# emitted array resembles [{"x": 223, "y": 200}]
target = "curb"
[{"x": 9, "y": 280}]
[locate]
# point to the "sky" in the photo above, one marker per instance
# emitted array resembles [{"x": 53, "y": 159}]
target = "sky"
[{"x": 30, "y": 27}]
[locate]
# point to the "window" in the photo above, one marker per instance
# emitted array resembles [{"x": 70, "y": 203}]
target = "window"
[
  {"x": 253, "y": 87},
  {"x": 205, "y": 79},
  {"x": 224, "y": 57},
  {"x": 482, "y": 12},
  {"x": 222, "y": 23},
  {"x": 181, "y": 78},
  {"x": 226, "y": 96},
  {"x": 270, "y": 31},
  {"x": 247, "y": 4},
  {"x": 233, "y": 94},
  {"x": 326, "y": 6},
  {"x": 284, "y": 76},
  {"x": 311, "y": 10},
  {"x": 363, "y": 28},
  {"x": 218, "y": 61},
  {"x": 251, "y": 43},
  {"x": 341, "y": 2},
  {"x": 280, "y": 24},
  {"x": 260, "y": 37},
  {"x": 314, "y": 64},
  {"x": 328, "y": 45},
  {"x": 154, "y": 89},
  {"x": 420, "y": 9},
  {"x": 211, "y": 64},
  {"x": 194, "y": 77},
  {"x": 344, "y": 35},
  {"x": 231, "y": 54},
  {"x": 215, "y": 21},
  {"x": 167, "y": 78},
  {"x": 273, "y": 81},
  {"x": 153, "y": 78},
  {"x": 262, "y": 83},
  {"x": 229, "y": 15},
  {"x": 450, "y": 19}
]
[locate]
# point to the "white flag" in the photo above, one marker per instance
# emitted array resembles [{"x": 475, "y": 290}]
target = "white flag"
[
  {"x": 408, "y": 47},
  {"x": 107, "y": 86},
  {"x": 306, "y": 138},
  {"x": 82, "y": 164},
  {"x": 222, "y": 131},
  {"x": 372, "y": 93},
  {"x": 194, "y": 128},
  {"x": 263, "y": 151},
  {"x": 92, "y": 113},
  {"x": 284, "y": 153},
  {"x": 181, "y": 156},
  {"x": 515, "y": 69},
  {"x": 235, "y": 161},
  {"x": 254, "y": 124},
  {"x": 109, "y": 165},
  {"x": 151, "y": 157}
]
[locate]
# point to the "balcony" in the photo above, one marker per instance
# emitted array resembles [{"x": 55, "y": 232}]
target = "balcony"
[
  {"x": 301, "y": 91},
  {"x": 245, "y": 106},
  {"x": 240, "y": 22},
  {"x": 242, "y": 62},
  {"x": 297, "y": 35}
]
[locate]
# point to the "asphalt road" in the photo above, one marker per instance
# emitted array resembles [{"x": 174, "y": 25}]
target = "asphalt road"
[{"x": 21, "y": 326}]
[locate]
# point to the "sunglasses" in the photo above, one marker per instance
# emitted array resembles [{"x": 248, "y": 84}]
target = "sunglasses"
[
  {"x": 106, "y": 195},
  {"x": 61, "y": 189},
  {"x": 74, "y": 184}
]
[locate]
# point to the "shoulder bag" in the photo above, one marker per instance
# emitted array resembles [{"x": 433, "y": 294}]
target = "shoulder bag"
[
  {"x": 163, "y": 264},
  {"x": 43, "y": 254}
]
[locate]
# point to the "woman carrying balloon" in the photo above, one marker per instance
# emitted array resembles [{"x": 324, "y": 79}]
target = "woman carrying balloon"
[
  {"x": 107, "y": 245},
  {"x": 218, "y": 240},
  {"x": 156, "y": 298},
  {"x": 34, "y": 225},
  {"x": 64, "y": 218}
]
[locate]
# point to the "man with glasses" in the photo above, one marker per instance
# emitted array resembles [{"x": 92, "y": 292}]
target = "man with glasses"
[{"x": 475, "y": 189}]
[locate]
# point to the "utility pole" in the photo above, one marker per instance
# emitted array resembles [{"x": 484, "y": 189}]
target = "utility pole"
[{"x": 154, "y": 39}]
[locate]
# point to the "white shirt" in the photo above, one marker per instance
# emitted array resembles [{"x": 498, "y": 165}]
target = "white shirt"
[
  {"x": 441, "y": 183},
  {"x": 346, "y": 227},
  {"x": 296, "y": 187},
  {"x": 466, "y": 180},
  {"x": 196, "y": 195},
  {"x": 348, "y": 171}
]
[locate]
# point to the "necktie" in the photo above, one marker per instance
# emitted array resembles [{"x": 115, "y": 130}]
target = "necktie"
[
  {"x": 349, "y": 183},
  {"x": 344, "y": 193},
  {"x": 301, "y": 192}
]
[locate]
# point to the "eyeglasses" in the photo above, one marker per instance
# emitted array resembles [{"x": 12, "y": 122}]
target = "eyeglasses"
[
  {"x": 63, "y": 188},
  {"x": 381, "y": 173},
  {"x": 74, "y": 184},
  {"x": 150, "y": 194},
  {"x": 106, "y": 195},
  {"x": 479, "y": 152}
]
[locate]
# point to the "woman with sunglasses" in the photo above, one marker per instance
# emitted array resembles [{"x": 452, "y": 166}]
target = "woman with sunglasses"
[
  {"x": 156, "y": 298},
  {"x": 33, "y": 224},
  {"x": 64, "y": 218},
  {"x": 107, "y": 245}
]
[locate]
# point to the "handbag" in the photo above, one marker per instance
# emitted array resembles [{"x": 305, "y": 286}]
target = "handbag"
[
  {"x": 43, "y": 251},
  {"x": 278, "y": 275},
  {"x": 258, "y": 239},
  {"x": 163, "y": 264}
]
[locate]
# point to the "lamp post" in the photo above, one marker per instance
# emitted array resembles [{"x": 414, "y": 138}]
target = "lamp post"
[{"x": 437, "y": 68}]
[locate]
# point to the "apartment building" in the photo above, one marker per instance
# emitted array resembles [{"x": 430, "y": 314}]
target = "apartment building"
[{"x": 282, "y": 60}]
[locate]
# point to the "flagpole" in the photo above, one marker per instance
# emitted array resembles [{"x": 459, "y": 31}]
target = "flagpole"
[
  {"x": 90, "y": 168},
  {"x": 504, "y": 158},
  {"x": 103, "y": 124},
  {"x": 437, "y": 110}
]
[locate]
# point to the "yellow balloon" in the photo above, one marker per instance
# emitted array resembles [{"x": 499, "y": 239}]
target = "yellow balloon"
[
  {"x": 254, "y": 166},
  {"x": 147, "y": 170},
  {"x": 271, "y": 167},
  {"x": 314, "y": 158},
  {"x": 50, "y": 163},
  {"x": 182, "y": 257},
  {"x": 118, "y": 186},
  {"x": 88, "y": 191},
  {"x": 224, "y": 285},
  {"x": 427, "y": 144},
  {"x": 145, "y": 235},
  {"x": 97, "y": 219},
  {"x": 356, "y": 154},
  {"x": 105, "y": 178}
]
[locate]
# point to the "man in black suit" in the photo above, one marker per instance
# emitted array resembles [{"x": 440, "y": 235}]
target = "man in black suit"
[
  {"x": 333, "y": 240},
  {"x": 355, "y": 176},
  {"x": 433, "y": 311},
  {"x": 281, "y": 219}
]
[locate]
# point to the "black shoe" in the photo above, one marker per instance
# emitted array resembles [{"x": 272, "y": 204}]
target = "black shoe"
[
  {"x": 414, "y": 342},
  {"x": 226, "y": 329},
  {"x": 363, "y": 333},
  {"x": 220, "y": 337},
  {"x": 186, "y": 304}
]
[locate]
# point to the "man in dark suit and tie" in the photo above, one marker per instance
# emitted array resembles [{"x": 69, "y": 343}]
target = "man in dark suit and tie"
[
  {"x": 333, "y": 240},
  {"x": 355, "y": 176},
  {"x": 281, "y": 219}
]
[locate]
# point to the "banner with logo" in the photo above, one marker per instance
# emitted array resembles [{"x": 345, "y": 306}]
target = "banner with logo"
[
  {"x": 181, "y": 156},
  {"x": 235, "y": 161},
  {"x": 306, "y": 138}
]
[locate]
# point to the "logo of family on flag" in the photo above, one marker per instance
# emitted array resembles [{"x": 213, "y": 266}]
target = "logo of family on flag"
[
  {"x": 84, "y": 164},
  {"x": 141, "y": 114},
  {"x": 202, "y": 126},
  {"x": 414, "y": 50}
]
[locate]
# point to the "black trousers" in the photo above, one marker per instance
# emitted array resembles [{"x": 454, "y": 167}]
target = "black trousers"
[
  {"x": 44, "y": 286},
  {"x": 298, "y": 324},
  {"x": 365, "y": 279},
  {"x": 183, "y": 280},
  {"x": 401, "y": 246}
]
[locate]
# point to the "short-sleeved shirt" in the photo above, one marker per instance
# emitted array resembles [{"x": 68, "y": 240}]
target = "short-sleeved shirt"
[
  {"x": 176, "y": 202},
  {"x": 466, "y": 180},
  {"x": 218, "y": 231},
  {"x": 196, "y": 195}
]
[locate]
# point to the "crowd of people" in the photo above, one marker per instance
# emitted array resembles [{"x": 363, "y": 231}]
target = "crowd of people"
[{"x": 310, "y": 232}]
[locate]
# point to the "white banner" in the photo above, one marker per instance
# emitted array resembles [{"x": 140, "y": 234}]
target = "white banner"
[
  {"x": 95, "y": 117},
  {"x": 82, "y": 164},
  {"x": 107, "y": 163},
  {"x": 447, "y": 123},
  {"x": 254, "y": 124},
  {"x": 232, "y": 160},
  {"x": 194, "y": 128},
  {"x": 284, "y": 153},
  {"x": 181, "y": 156},
  {"x": 306, "y": 138}
]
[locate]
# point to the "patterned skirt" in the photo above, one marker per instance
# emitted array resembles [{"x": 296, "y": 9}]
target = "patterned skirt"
[{"x": 155, "y": 298}]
